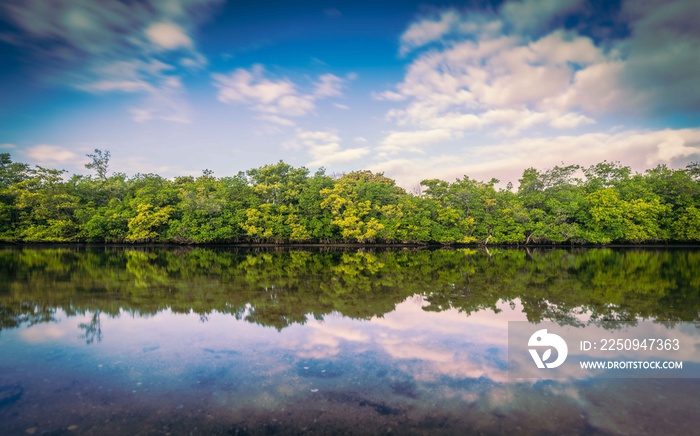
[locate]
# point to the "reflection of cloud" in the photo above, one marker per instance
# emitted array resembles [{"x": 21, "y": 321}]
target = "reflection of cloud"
[
  {"x": 483, "y": 326},
  {"x": 326, "y": 338},
  {"x": 341, "y": 332},
  {"x": 427, "y": 345},
  {"x": 450, "y": 343},
  {"x": 317, "y": 352},
  {"x": 399, "y": 349},
  {"x": 499, "y": 397},
  {"x": 43, "y": 333}
]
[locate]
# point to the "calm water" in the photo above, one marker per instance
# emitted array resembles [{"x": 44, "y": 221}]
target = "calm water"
[{"x": 202, "y": 341}]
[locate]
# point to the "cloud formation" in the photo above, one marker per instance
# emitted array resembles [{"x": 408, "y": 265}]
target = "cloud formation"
[
  {"x": 276, "y": 99},
  {"x": 329, "y": 85},
  {"x": 324, "y": 148},
  {"x": 168, "y": 36},
  {"x": 143, "y": 48},
  {"x": 486, "y": 63},
  {"x": 414, "y": 140},
  {"x": 50, "y": 154},
  {"x": 499, "y": 81},
  {"x": 506, "y": 160},
  {"x": 521, "y": 72},
  {"x": 428, "y": 30}
]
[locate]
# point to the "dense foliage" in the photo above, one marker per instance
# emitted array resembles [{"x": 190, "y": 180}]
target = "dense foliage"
[
  {"x": 278, "y": 203},
  {"x": 279, "y": 288}
]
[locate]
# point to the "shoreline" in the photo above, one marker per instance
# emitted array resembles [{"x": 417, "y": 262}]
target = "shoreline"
[{"x": 351, "y": 245}]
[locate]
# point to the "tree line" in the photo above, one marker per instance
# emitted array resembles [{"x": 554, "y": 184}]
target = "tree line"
[{"x": 278, "y": 203}]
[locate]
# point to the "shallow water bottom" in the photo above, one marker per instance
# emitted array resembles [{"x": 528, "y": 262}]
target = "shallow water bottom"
[{"x": 352, "y": 399}]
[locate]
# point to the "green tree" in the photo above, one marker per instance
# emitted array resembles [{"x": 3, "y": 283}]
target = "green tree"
[
  {"x": 100, "y": 163},
  {"x": 11, "y": 173},
  {"x": 46, "y": 207},
  {"x": 357, "y": 202}
]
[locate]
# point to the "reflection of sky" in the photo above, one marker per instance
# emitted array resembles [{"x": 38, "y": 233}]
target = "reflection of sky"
[
  {"x": 410, "y": 363},
  {"x": 429, "y": 343}
]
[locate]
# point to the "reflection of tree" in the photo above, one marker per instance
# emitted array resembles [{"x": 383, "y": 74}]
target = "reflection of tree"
[
  {"x": 278, "y": 287},
  {"x": 25, "y": 313},
  {"x": 93, "y": 329}
]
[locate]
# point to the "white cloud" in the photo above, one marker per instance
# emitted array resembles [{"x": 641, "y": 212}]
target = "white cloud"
[
  {"x": 329, "y": 85},
  {"x": 571, "y": 120},
  {"x": 676, "y": 145},
  {"x": 251, "y": 87},
  {"x": 360, "y": 139},
  {"x": 335, "y": 155},
  {"x": 280, "y": 98},
  {"x": 7, "y": 146},
  {"x": 109, "y": 26},
  {"x": 293, "y": 105},
  {"x": 414, "y": 140},
  {"x": 161, "y": 108},
  {"x": 196, "y": 61},
  {"x": 501, "y": 81},
  {"x": 500, "y": 75},
  {"x": 504, "y": 73},
  {"x": 169, "y": 36},
  {"x": 598, "y": 89},
  {"x": 309, "y": 137},
  {"x": 88, "y": 43},
  {"x": 324, "y": 147},
  {"x": 46, "y": 154},
  {"x": 341, "y": 106},
  {"x": 388, "y": 95},
  {"x": 427, "y": 30},
  {"x": 640, "y": 149},
  {"x": 118, "y": 85},
  {"x": 277, "y": 120}
]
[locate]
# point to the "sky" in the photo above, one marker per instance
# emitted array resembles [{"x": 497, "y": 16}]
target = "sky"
[{"x": 413, "y": 89}]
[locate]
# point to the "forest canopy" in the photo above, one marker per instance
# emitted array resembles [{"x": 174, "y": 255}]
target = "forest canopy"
[{"x": 278, "y": 203}]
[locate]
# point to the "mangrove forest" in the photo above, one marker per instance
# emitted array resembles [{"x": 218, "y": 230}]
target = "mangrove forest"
[{"x": 278, "y": 203}]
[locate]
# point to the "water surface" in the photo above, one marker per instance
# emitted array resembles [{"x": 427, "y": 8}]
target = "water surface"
[{"x": 180, "y": 341}]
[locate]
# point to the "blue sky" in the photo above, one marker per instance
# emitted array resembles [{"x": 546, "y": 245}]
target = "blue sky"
[{"x": 414, "y": 89}]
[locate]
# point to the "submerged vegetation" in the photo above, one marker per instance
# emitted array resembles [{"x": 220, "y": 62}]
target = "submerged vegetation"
[{"x": 601, "y": 204}]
